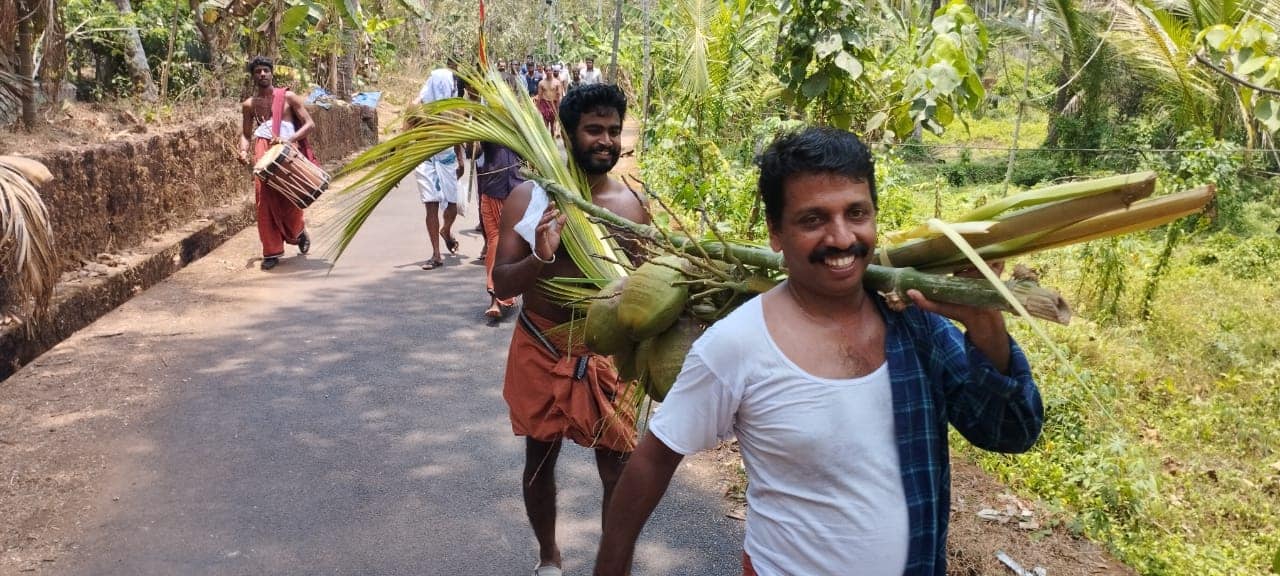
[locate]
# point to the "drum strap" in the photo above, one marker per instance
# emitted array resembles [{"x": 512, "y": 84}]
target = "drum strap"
[
  {"x": 277, "y": 116},
  {"x": 277, "y": 110}
]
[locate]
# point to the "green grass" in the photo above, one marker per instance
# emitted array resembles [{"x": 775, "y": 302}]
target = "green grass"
[{"x": 992, "y": 131}]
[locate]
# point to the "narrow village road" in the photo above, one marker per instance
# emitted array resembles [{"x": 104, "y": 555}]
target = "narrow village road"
[{"x": 316, "y": 421}]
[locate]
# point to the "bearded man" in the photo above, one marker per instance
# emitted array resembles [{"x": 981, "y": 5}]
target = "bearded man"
[{"x": 555, "y": 391}]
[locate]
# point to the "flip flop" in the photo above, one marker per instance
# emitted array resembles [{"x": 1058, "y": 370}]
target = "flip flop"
[
  {"x": 452, "y": 244},
  {"x": 432, "y": 264},
  {"x": 548, "y": 571}
]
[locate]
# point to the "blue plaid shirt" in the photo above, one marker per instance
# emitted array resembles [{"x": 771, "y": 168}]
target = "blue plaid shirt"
[{"x": 938, "y": 377}]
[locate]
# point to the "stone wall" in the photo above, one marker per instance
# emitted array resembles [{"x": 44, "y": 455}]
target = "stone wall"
[{"x": 173, "y": 196}]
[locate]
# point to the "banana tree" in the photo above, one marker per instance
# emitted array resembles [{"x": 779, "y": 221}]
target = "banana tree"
[{"x": 324, "y": 36}]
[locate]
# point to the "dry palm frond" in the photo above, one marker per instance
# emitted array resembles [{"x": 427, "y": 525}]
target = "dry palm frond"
[
  {"x": 505, "y": 118},
  {"x": 25, "y": 229}
]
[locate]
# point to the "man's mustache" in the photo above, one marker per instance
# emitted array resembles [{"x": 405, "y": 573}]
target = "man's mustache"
[{"x": 857, "y": 250}]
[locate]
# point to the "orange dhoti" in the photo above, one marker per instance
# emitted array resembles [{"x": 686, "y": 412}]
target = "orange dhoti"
[
  {"x": 279, "y": 220},
  {"x": 490, "y": 221},
  {"x": 554, "y": 395}
]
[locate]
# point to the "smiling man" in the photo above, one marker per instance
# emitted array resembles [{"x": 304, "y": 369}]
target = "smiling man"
[
  {"x": 555, "y": 391},
  {"x": 840, "y": 405}
]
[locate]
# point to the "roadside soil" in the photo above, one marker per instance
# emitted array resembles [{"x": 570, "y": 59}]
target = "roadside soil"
[{"x": 59, "y": 436}]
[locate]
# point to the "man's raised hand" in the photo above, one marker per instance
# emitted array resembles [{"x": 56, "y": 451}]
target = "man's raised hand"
[{"x": 547, "y": 234}]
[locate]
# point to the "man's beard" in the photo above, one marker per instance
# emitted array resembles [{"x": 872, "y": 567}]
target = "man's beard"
[{"x": 590, "y": 164}]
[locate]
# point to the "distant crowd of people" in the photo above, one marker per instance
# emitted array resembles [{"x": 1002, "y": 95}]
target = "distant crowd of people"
[{"x": 548, "y": 83}]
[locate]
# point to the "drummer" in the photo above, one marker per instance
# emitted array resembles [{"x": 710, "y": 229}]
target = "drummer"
[{"x": 274, "y": 116}]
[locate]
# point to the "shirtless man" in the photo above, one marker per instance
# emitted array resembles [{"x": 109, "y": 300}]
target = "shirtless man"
[
  {"x": 279, "y": 220},
  {"x": 539, "y": 368},
  {"x": 550, "y": 91}
]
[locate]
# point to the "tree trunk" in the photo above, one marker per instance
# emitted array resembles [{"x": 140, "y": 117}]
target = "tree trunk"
[
  {"x": 424, "y": 39},
  {"x": 52, "y": 69},
  {"x": 334, "y": 56},
  {"x": 272, "y": 36},
  {"x": 347, "y": 66},
  {"x": 136, "y": 57},
  {"x": 617, "y": 27},
  {"x": 1060, "y": 101},
  {"x": 214, "y": 47},
  {"x": 26, "y": 69},
  {"x": 648, "y": 75},
  {"x": 166, "y": 71}
]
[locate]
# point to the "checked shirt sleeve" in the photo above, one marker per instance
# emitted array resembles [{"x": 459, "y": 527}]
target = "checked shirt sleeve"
[{"x": 993, "y": 411}]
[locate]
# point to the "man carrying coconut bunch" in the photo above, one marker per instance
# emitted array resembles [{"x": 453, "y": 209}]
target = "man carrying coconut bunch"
[
  {"x": 839, "y": 404},
  {"x": 554, "y": 391}
]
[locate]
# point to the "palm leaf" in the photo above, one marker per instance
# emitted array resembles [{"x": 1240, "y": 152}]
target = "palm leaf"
[
  {"x": 694, "y": 21},
  {"x": 1071, "y": 26},
  {"x": 505, "y": 118},
  {"x": 1269, "y": 12},
  {"x": 1158, "y": 45}
]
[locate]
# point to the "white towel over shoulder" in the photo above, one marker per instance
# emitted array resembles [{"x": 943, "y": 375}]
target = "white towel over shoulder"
[{"x": 528, "y": 224}]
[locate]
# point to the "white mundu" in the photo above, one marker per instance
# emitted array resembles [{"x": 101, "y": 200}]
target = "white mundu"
[{"x": 825, "y": 492}]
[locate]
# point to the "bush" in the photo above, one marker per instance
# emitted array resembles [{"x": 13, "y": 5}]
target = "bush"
[
  {"x": 1029, "y": 169},
  {"x": 1253, "y": 258}
]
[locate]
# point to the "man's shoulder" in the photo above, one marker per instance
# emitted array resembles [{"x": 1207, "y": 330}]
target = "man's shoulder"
[
  {"x": 622, "y": 198},
  {"x": 732, "y": 338},
  {"x": 521, "y": 193}
]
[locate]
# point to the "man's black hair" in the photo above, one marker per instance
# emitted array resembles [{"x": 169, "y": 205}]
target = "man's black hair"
[
  {"x": 588, "y": 98},
  {"x": 258, "y": 62},
  {"x": 814, "y": 150}
]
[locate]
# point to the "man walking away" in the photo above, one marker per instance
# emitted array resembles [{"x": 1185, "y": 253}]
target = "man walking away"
[{"x": 437, "y": 178}]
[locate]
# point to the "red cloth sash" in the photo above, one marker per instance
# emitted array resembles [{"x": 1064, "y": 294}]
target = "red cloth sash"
[{"x": 277, "y": 116}]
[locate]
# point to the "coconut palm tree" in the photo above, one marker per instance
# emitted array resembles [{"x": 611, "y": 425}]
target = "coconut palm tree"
[{"x": 1158, "y": 40}]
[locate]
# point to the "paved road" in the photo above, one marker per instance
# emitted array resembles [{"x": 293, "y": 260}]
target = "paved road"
[{"x": 302, "y": 421}]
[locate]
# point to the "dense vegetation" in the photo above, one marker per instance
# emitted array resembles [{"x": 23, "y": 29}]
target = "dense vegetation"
[{"x": 1161, "y": 442}]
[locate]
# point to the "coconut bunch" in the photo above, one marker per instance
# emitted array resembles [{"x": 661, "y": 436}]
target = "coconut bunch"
[
  {"x": 26, "y": 234},
  {"x": 648, "y": 320}
]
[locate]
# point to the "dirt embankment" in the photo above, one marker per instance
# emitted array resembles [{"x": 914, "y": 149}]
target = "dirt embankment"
[{"x": 128, "y": 213}]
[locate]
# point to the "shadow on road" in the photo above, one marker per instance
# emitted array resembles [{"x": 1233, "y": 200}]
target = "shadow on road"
[{"x": 355, "y": 427}]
